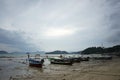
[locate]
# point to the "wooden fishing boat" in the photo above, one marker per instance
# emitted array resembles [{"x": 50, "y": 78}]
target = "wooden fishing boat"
[
  {"x": 85, "y": 58},
  {"x": 103, "y": 58},
  {"x": 36, "y": 63},
  {"x": 78, "y": 59},
  {"x": 50, "y": 59},
  {"x": 61, "y": 61}
]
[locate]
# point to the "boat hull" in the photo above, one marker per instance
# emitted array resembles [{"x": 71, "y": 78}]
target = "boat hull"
[
  {"x": 35, "y": 65},
  {"x": 102, "y": 58},
  {"x": 77, "y": 60},
  {"x": 85, "y": 59},
  {"x": 61, "y": 61}
]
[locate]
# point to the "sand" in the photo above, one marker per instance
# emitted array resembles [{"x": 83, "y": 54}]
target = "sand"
[{"x": 89, "y": 70}]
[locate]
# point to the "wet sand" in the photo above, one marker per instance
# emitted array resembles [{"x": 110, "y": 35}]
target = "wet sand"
[{"x": 89, "y": 70}]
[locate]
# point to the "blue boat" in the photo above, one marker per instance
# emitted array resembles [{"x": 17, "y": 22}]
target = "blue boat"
[{"x": 36, "y": 63}]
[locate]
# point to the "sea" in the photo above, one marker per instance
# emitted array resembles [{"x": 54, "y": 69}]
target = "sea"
[{"x": 24, "y": 55}]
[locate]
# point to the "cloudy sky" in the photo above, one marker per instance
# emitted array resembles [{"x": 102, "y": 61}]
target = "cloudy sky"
[{"x": 47, "y": 25}]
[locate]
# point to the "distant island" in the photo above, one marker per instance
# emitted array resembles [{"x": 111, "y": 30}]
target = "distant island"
[
  {"x": 3, "y": 52},
  {"x": 115, "y": 50},
  {"x": 58, "y": 52},
  {"x": 99, "y": 50}
]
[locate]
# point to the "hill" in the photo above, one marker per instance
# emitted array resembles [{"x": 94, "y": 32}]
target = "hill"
[
  {"x": 3, "y": 52},
  {"x": 57, "y": 52},
  {"x": 99, "y": 50}
]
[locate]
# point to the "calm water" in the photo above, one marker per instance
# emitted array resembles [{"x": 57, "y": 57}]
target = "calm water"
[
  {"x": 17, "y": 55},
  {"x": 24, "y": 55}
]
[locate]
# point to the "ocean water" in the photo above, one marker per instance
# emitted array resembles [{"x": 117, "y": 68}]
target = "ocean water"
[
  {"x": 18, "y": 55},
  {"x": 24, "y": 55}
]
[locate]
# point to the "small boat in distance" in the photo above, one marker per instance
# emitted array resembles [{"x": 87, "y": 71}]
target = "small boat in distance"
[{"x": 61, "y": 61}]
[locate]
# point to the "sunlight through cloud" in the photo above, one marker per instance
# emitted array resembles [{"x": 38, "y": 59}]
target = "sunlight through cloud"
[{"x": 58, "y": 32}]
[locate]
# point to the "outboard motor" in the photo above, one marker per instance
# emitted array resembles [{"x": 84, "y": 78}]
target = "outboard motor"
[{"x": 42, "y": 61}]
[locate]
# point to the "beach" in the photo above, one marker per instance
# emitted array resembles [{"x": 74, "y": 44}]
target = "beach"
[{"x": 18, "y": 69}]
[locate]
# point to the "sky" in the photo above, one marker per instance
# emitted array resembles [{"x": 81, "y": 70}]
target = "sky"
[{"x": 48, "y": 25}]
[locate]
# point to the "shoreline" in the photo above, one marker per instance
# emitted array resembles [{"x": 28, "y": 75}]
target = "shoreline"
[{"x": 86, "y": 70}]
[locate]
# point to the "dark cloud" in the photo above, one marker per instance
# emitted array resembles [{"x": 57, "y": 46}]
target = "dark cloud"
[
  {"x": 113, "y": 2},
  {"x": 114, "y": 21},
  {"x": 8, "y": 37},
  {"x": 15, "y": 40},
  {"x": 115, "y": 38}
]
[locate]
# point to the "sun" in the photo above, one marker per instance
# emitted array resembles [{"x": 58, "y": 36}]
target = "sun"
[{"x": 58, "y": 32}]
